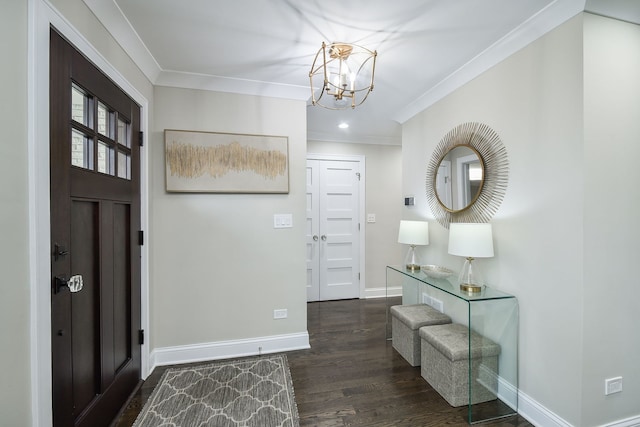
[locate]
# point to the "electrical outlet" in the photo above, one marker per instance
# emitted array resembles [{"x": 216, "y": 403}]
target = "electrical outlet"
[
  {"x": 613, "y": 385},
  {"x": 437, "y": 304},
  {"x": 426, "y": 299},
  {"x": 280, "y": 313}
]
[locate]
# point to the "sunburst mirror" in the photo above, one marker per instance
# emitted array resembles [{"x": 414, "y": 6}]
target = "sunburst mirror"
[{"x": 467, "y": 175}]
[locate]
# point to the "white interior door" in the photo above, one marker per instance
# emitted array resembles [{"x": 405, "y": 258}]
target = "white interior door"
[
  {"x": 313, "y": 231},
  {"x": 333, "y": 239}
]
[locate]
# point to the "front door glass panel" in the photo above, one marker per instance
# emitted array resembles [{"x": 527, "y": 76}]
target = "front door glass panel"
[
  {"x": 80, "y": 106},
  {"x": 105, "y": 159},
  {"x": 81, "y": 150}
]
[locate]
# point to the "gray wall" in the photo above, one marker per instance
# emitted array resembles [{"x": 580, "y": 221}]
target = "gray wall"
[
  {"x": 611, "y": 342},
  {"x": 15, "y": 399},
  {"x": 559, "y": 247},
  {"x": 218, "y": 267}
]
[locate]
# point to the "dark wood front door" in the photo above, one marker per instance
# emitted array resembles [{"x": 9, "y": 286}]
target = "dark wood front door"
[{"x": 95, "y": 218}]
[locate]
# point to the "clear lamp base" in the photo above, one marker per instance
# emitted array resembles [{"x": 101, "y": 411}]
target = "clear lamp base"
[
  {"x": 411, "y": 261},
  {"x": 470, "y": 289},
  {"x": 470, "y": 279},
  {"x": 412, "y": 267}
]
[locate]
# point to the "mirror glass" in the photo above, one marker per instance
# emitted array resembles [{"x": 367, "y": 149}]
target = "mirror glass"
[{"x": 459, "y": 179}]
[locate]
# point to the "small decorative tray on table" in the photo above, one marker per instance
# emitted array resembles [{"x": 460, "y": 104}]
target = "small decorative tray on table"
[{"x": 436, "y": 271}]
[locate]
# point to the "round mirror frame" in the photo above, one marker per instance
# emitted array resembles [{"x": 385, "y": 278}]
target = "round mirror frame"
[
  {"x": 476, "y": 195},
  {"x": 493, "y": 156}
]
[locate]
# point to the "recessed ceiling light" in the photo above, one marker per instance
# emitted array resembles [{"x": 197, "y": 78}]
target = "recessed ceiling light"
[{"x": 343, "y": 125}]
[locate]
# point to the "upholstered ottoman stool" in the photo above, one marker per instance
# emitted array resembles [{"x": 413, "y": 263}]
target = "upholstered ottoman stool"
[
  {"x": 406, "y": 320},
  {"x": 445, "y": 363}
]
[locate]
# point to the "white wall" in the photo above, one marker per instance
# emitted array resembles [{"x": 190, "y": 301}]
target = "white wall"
[
  {"x": 533, "y": 100},
  {"x": 218, "y": 267},
  {"x": 383, "y": 193},
  {"x": 15, "y": 399},
  {"x": 611, "y": 344}
]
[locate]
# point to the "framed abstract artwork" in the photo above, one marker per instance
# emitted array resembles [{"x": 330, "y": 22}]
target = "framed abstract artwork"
[{"x": 215, "y": 162}]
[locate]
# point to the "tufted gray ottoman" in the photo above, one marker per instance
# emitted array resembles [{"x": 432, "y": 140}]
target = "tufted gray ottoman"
[
  {"x": 446, "y": 348},
  {"x": 406, "y": 320}
]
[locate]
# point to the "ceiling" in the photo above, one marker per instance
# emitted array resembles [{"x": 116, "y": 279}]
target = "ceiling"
[{"x": 426, "y": 48}]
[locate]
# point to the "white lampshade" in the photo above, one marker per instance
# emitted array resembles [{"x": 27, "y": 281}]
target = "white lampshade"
[
  {"x": 471, "y": 240},
  {"x": 413, "y": 233}
]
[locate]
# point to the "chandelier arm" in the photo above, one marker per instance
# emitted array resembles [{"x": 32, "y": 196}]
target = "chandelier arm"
[{"x": 324, "y": 64}]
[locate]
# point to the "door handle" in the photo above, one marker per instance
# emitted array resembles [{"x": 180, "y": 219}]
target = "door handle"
[
  {"x": 74, "y": 283},
  {"x": 323, "y": 237},
  {"x": 315, "y": 237}
]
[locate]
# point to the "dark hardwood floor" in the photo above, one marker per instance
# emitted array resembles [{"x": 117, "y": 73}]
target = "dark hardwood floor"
[{"x": 351, "y": 376}]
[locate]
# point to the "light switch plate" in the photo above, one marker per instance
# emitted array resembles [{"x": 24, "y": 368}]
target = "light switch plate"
[
  {"x": 282, "y": 220},
  {"x": 371, "y": 218},
  {"x": 280, "y": 313},
  {"x": 612, "y": 385}
]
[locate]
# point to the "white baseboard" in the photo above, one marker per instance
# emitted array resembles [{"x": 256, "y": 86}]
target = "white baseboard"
[
  {"x": 527, "y": 407},
  {"x": 394, "y": 291},
  {"x": 227, "y": 349},
  {"x": 506, "y": 392},
  {"x": 537, "y": 414}
]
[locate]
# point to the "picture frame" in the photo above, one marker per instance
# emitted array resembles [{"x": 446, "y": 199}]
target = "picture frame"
[{"x": 218, "y": 162}]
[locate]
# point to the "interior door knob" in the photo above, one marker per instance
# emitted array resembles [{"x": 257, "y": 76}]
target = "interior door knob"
[
  {"x": 315, "y": 237},
  {"x": 323, "y": 237}
]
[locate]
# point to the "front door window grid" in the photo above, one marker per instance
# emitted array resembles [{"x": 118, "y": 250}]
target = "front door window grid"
[{"x": 100, "y": 137}]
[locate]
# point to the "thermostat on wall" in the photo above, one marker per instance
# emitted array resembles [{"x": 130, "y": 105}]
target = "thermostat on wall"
[{"x": 409, "y": 201}]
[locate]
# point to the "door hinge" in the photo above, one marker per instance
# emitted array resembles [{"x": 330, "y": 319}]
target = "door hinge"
[
  {"x": 140, "y": 237},
  {"x": 358, "y": 226},
  {"x": 141, "y": 138},
  {"x": 141, "y": 336},
  {"x": 358, "y": 276},
  {"x": 358, "y": 175}
]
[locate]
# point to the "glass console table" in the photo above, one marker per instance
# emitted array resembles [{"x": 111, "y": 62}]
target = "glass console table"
[{"x": 490, "y": 313}]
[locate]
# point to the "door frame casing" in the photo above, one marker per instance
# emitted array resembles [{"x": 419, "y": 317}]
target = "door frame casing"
[
  {"x": 42, "y": 16},
  {"x": 361, "y": 205}
]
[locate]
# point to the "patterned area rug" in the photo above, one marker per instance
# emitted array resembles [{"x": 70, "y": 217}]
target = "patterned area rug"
[{"x": 249, "y": 392}]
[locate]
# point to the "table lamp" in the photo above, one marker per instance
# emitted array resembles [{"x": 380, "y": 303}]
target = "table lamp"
[
  {"x": 470, "y": 240},
  {"x": 413, "y": 233}
]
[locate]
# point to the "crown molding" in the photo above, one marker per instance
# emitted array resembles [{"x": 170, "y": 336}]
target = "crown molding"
[
  {"x": 232, "y": 85},
  {"x": 112, "y": 17},
  {"x": 555, "y": 14},
  {"x": 353, "y": 138},
  {"x": 114, "y": 21}
]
